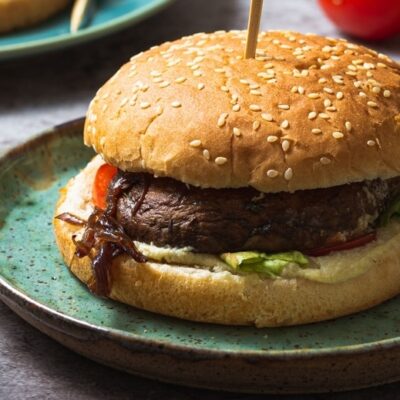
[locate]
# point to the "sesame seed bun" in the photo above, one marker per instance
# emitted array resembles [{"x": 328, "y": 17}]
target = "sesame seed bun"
[
  {"x": 15, "y": 14},
  {"x": 223, "y": 297},
  {"x": 308, "y": 112}
]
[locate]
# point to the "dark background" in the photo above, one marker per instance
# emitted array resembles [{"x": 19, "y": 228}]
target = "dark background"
[{"x": 39, "y": 92}]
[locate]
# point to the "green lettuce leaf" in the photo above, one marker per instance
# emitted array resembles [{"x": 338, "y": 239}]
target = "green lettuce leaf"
[
  {"x": 268, "y": 264},
  {"x": 391, "y": 211}
]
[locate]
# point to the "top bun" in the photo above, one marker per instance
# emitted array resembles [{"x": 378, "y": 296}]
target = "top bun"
[{"x": 308, "y": 112}]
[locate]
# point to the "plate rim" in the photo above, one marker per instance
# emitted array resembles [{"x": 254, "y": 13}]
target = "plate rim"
[
  {"x": 17, "y": 296},
  {"x": 91, "y": 33}
]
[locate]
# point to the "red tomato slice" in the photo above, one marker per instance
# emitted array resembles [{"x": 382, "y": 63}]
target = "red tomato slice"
[
  {"x": 367, "y": 19},
  {"x": 361, "y": 241},
  {"x": 104, "y": 176}
]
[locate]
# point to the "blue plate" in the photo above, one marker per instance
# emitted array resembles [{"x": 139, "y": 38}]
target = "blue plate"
[{"x": 110, "y": 16}]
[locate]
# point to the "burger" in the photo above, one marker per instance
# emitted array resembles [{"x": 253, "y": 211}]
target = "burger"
[
  {"x": 240, "y": 191},
  {"x": 16, "y": 14}
]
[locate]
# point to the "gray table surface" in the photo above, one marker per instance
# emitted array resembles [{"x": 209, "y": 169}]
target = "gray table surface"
[{"x": 39, "y": 92}]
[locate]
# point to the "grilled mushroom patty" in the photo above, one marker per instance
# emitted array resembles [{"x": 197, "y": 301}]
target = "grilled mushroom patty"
[{"x": 166, "y": 212}]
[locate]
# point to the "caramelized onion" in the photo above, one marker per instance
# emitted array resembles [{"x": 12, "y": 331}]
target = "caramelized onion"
[{"x": 104, "y": 237}]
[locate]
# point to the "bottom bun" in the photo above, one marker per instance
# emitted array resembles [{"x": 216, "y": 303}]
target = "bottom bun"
[{"x": 223, "y": 297}]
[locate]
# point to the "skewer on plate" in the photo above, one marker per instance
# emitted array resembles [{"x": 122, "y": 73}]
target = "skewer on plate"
[{"x": 80, "y": 15}]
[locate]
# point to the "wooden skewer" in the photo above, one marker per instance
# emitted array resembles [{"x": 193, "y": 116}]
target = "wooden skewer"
[
  {"x": 79, "y": 11},
  {"x": 253, "y": 28}
]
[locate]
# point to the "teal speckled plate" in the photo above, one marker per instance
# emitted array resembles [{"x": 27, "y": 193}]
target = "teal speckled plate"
[
  {"x": 355, "y": 351},
  {"x": 110, "y": 16}
]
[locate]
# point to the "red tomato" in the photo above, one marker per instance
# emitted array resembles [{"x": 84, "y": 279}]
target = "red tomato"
[
  {"x": 367, "y": 19},
  {"x": 102, "y": 180},
  {"x": 361, "y": 241}
]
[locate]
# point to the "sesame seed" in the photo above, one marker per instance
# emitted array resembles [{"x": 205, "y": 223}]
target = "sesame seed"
[
  {"x": 322, "y": 80},
  {"x": 255, "y": 92},
  {"x": 283, "y": 106},
  {"x": 371, "y": 143},
  {"x": 244, "y": 81},
  {"x": 221, "y": 160},
  {"x": 155, "y": 73},
  {"x": 198, "y": 73},
  {"x": 123, "y": 102},
  {"x": 338, "y": 79},
  {"x": 267, "y": 117},
  {"x": 328, "y": 90},
  {"x": 323, "y": 115},
  {"x": 301, "y": 90},
  {"x": 144, "y": 105},
  {"x": 348, "y": 126},
  {"x": 313, "y": 95},
  {"x": 224, "y": 88},
  {"x": 256, "y": 125},
  {"x": 272, "y": 138},
  {"x": 337, "y": 135},
  {"x": 201, "y": 86},
  {"x": 206, "y": 154},
  {"x": 236, "y": 107},
  {"x": 370, "y": 74},
  {"x": 288, "y": 175},
  {"x": 255, "y": 86},
  {"x": 294, "y": 89},
  {"x": 255, "y": 107},
  {"x": 285, "y": 124},
  {"x": 159, "y": 110},
  {"x": 357, "y": 84},
  {"x": 285, "y": 145},
  {"x": 164, "y": 84},
  {"x": 331, "y": 108},
  {"x": 316, "y": 131},
  {"x": 195, "y": 143},
  {"x": 325, "y": 160},
  {"x": 176, "y": 104},
  {"x": 222, "y": 119},
  {"x": 368, "y": 66},
  {"x": 180, "y": 79},
  {"x": 327, "y": 103},
  {"x": 272, "y": 173},
  {"x": 339, "y": 95},
  {"x": 376, "y": 89},
  {"x": 237, "y": 132},
  {"x": 387, "y": 93},
  {"x": 312, "y": 115},
  {"x": 362, "y": 94},
  {"x": 157, "y": 80},
  {"x": 372, "y": 104}
]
